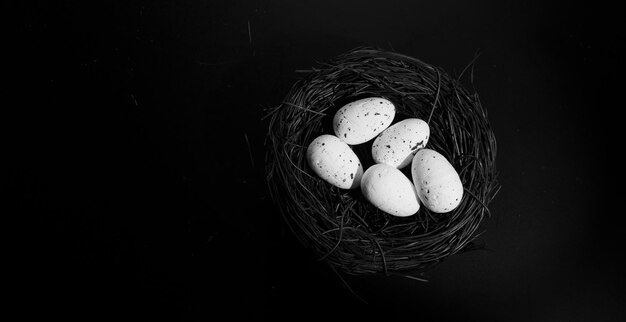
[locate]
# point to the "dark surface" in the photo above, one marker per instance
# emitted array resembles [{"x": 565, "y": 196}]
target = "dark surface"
[{"x": 138, "y": 196}]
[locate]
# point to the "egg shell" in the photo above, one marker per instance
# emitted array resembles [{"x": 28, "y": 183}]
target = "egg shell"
[
  {"x": 438, "y": 185},
  {"x": 390, "y": 190},
  {"x": 334, "y": 161},
  {"x": 362, "y": 120},
  {"x": 397, "y": 144}
]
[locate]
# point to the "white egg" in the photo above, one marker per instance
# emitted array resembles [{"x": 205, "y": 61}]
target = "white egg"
[
  {"x": 334, "y": 161},
  {"x": 390, "y": 190},
  {"x": 398, "y": 143},
  {"x": 362, "y": 120},
  {"x": 437, "y": 183}
]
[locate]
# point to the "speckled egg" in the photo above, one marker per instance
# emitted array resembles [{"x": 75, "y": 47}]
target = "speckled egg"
[
  {"x": 390, "y": 190},
  {"x": 397, "y": 144},
  {"x": 362, "y": 120},
  {"x": 334, "y": 161},
  {"x": 437, "y": 183}
]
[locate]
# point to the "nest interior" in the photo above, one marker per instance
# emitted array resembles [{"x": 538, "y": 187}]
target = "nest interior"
[{"x": 340, "y": 226}]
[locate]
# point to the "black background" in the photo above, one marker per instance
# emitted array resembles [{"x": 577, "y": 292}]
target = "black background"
[{"x": 137, "y": 145}]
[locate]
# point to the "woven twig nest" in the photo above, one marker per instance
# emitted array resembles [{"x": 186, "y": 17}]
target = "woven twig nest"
[{"x": 341, "y": 226}]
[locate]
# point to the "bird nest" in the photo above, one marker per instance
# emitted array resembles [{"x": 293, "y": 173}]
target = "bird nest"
[{"x": 341, "y": 226}]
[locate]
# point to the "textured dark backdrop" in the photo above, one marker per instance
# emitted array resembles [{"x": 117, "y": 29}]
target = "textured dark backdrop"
[{"x": 137, "y": 195}]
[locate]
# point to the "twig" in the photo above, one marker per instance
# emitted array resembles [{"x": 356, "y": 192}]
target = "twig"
[
  {"x": 249, "y": 33},
  {"x": 249, "y": 150}
]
